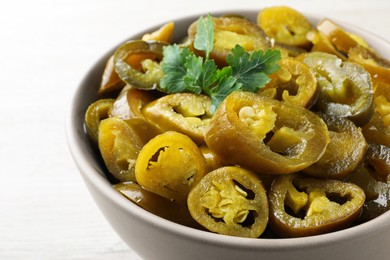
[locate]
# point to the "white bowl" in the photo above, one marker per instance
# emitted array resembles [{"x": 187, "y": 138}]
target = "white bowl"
[{"x": 155, "y": 238}]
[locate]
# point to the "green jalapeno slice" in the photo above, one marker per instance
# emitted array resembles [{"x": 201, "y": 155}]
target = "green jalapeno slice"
[
  {"x": 378, "y": 157},
  {"x": 230, "y": 201},
  {"x": 186, "y": 113},
  {"x": 345, "y": 151},
  {"x": 230, "y": 31},
  {"x": 285, "y": 25},
  {"x": 294, "y": 83},
  {"x": 95, "y": 113},
  {"x": 137, "y": 63},
  {"x": 265, "y": 135},
  {"x": 130, "y": 102},
  {"x": 119, "y": 146},
  {"x": 156, "y": 204},
  {"x": 345, "y": 88},
  {"x": 306, "y": 206},
  {"x": 170, "y": 165}
]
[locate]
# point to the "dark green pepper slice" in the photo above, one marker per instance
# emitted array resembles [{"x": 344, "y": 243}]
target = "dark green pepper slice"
[
  {"x": 156, "y": 204},
  {"x": 345, "y": 151},
  {"x": 95, "y": 113},
  {"x": 345, "y": 88},
  {"x": 377, "y": 193},
  {"x": 378, "y": 157},
  {"x": 137, "y": 63},
  {"x": 376, "y": 131},
  {"x": 230, "y": 201},
  {"x": 306, "y": 206}
]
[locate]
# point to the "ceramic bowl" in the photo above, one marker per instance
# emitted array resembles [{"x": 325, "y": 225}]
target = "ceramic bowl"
[{"x": 155, "y": 238}]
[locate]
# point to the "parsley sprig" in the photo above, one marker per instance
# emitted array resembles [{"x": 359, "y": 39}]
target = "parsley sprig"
[{"x": 186, "y": 72}]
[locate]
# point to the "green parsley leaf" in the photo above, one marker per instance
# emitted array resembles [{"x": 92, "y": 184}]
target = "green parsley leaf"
[
  {"x": 174, "y": 69},
  {"x": 200, "y": 74},
  {"x": 226, "y": 85},
  {"x": 251, "y": 69},
  {"x": 204, "y": 40},
  {"x": 186, "y": 72}
]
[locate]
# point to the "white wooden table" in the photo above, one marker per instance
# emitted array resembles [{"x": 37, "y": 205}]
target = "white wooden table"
[{"x": 46, "y": 47}]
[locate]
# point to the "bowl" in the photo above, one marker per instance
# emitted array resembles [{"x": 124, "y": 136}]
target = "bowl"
[{"x": 153, "y": 237}]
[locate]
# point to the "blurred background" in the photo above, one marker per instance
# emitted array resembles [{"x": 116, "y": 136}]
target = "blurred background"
[{"x": 46, "y": 47}]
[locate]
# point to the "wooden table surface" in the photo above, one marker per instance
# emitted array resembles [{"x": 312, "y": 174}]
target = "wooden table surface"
[{"x": 46, "y": 47}]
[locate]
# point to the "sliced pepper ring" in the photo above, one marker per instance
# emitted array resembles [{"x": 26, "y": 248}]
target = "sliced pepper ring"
[
  {"x": 285, "y": 25},
  {"x": 230, "y": 31},
  {"x": 130, "y": 102},
  {"x": 306, "y": 206},
  {"x": 170, "y": 165},
  {"x": 266, "y": 135},
  {"x": 345, "y": 88},
  {"x": 378, "y": 157},
  {"x": 186, "y": 113},
  {"x": 95, "y": 113},
  {"x": 119, "y": 145},
  {"x": 345, "y": 151},
  {"x": 156, "y": 204},
  {"x": 230, "y": 201},
  {"x": 136, "y": 63},
  {"x": 294, "y": 83}
]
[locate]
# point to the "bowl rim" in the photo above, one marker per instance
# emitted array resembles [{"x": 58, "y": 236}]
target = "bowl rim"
[{"x": 91, "y": 176}]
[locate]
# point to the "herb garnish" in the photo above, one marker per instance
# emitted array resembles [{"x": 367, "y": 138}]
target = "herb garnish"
[{"x": 186, "y": 72}]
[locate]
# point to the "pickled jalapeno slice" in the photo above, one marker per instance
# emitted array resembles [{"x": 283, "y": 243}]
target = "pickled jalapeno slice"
[
  {"x": 137, "y": 63},
  {"x": 306, "y": 206},
  {"x": 230, "y": 31},
  {"x": 345, "y": 88},
  {"x": 345, "y": 151},
  {"x": 266, "y": 135},
  {"x": 230, "y": 201},
  {"x": 294, "y": 83},
  {"x": 95, "y": 113},
  {"x": 186, "y": 113},
  {"x": 170, "y": 165}
]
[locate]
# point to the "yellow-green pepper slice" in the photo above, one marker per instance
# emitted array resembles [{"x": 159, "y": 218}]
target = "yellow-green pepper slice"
[
  {"x": 306, "y": 206},
  {"x": 266, "y": 135},
  {"x": 376, "y": 131},
  {"x": 137, "y": 63},
  {"x": 170, "y": 165},
  {"x": 213, "y": 160},
  {"x": 230, "y": 31},
  {"x": 230, "y": 201},
  {"x": 378, "y": 157},
  {"x": 294, "y": 83},
  {"x": 130, "y": 102},
  {"x": 285, "y": 25},
  {"x": 186, "y": 113},
  {"x": 110, "y": 82},
  {"x": 156, "y": 204},
  {"x": 345, "y": 88},
  {"x": 345, "y": 151},
  {"x": 377, "y": 193},
  {"x": 95, "y": 113},
  {"x": 119, "y": 146}
]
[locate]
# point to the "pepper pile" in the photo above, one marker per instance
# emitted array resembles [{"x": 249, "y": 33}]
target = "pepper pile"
[{"x": 273, "y": 128}]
